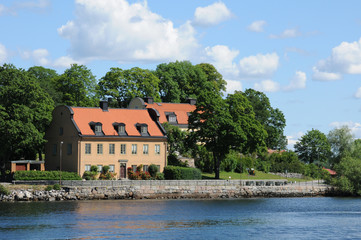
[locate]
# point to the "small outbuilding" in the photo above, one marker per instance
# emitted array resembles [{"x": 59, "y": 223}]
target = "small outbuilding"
[{"x": 27, "y": 165}]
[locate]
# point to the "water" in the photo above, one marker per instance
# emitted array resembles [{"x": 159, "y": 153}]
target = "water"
[{"x": 276, "y": 218}]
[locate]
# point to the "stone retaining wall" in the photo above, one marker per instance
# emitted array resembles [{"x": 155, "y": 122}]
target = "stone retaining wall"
[{"x": 171, "y": 189}]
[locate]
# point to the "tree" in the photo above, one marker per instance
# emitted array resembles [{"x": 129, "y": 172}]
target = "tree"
[
  {"x": 123, "y": 85},
  {"x": 45, "y": 78},
  {"x": 77, "y": 85},
  {"x": 182, "y": 80},
  {"x": 272, "y": 119},
  {"x": 313, "y": 147},
  {"x": 349, "y": 175},
  {"x": 25, "y": 112},
  {"x": 222, "y": 125},
  {"x": 341, "y": 141}
]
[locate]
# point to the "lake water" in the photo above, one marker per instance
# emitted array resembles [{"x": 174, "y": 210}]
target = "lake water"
[{"x": 275, "y": 218}]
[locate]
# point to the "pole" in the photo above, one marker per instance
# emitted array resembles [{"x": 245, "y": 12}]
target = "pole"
[{"x": 61, "y": 151}]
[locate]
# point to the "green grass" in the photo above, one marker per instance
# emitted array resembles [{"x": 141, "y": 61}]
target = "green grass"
[{"x": 244, "y": 176}]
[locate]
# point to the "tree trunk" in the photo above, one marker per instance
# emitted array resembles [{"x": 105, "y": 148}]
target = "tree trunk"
[{"x": 216, "y": 165}]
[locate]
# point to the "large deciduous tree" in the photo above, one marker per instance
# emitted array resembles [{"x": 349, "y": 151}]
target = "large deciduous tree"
[
  {"x": 272, "y": 119},
  {"x": 123, "y": 85},
  {"x": 341, "y": 140},
  {"x": 77, "y": 85},
  {"x": 313, "y": 147},
  {"x": 25, "y": 112},
  {"x": 222, "y": 125}
]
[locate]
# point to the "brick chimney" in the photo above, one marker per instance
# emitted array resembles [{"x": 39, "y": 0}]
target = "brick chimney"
[
  {"x": 148, "y": 100},
  {"x": 104, "y": 105}
]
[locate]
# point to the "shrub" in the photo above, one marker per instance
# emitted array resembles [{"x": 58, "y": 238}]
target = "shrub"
[
  {"x": 229, "y": 164},
  {"x": 4, "y": 190},
  {"x": 153, "y": 169},
  {"x": 105, "y": 169},
  {"x": 49, "y": 188},
  {"x": 159, "y": 176},
  {"x": 56, "y": 186},
  {"x": 94, "y": 168},
  {"x": 182, "y": 173},
  {"x": 45, "y": 175},
  {"x": 90, "y": 175}
]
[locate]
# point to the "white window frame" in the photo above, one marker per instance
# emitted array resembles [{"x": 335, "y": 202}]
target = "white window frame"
[
  {"x": 111, "y": 148},
  {"x": 88, "y": 148},
  {"x": 145, "y": 148},
  {"x": 157, "y": 149},
  {"x": 111, "y": 168},
  {"x": 99, "y": 148},
  {"x": 134, "y": 148},
  {"x": 87, "y": 167},
  {"x": 123, "y": 149}
]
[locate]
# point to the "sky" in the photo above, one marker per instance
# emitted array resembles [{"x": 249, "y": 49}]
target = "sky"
[{"x": 304, "y": 55}]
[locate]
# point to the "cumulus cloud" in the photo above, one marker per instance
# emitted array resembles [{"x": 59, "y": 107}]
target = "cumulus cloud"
[
  {"x": 28, "y": 5},
  {"x": 212, "y": 14},
  {"x": 297, "y": 82},
  {"x": 267, "y": 86},
  {"x": 41, "y": 57},
  {"x": 288, "y": 33},
  {"x": 257, "y": 26},
  {"x": 3, "y": 53},
  {"x": 345, "y": 59},
  {"x": 117, "y": 30},
  {"x": 259, "y": 65},
  {"x": 355, "y": 127},
  {"x": 233, "y": 85},
  {"x": 223, "y": 59},
  {"x": 293, "y": 139}
]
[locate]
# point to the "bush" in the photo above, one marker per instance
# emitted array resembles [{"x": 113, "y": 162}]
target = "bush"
[
  {"x": 182, "y": 173},
  {"x": 94, "y": 168},
  {"x": 4, "y": 190},
  {"x": 49, "y": 188},
  {"x": 153, "y": 169},
  {"x": 159, "y": 176},
  {"x": 90, "y": 175},
  {"x": 45, "y": 175},
  {"x": 229, "y": 164},
  {"x": 105, "y": 169},
  {"x": 56, "y": 186},
  {"x": 203, "y": 159},
  {"x": 174, "y": 161}
]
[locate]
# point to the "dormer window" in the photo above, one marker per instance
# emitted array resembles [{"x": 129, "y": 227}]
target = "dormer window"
[
  {"x": 97, "y": 128},
  {"x": 120, "y": 128},
  {"x": 143, "y": 129},
  {"x": 172, "y": 117}
]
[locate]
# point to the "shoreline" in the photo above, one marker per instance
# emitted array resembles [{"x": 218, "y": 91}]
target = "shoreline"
[{"x": 168, "y": 189}]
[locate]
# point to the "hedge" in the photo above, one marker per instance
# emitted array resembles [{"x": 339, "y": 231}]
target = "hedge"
[
  {"x": 45, "y": 175},
  {"x": 182, "y": 173}
]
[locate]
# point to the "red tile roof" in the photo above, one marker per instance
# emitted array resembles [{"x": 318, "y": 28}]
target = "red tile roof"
[
  {"x": 332, "y": 172},
  {"x": 130, "y": 117},
  {"x": 180, "y": 109}
]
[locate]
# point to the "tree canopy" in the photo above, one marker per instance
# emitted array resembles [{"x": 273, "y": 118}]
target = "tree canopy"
[
  {"x": 341, "y": 141},
  {"x": 25, "y": 112},
  {"x": 313, "y": 147},
  {"x": 123, "y": 85}
]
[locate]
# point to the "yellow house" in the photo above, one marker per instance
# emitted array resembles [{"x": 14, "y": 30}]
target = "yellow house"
[{"x": 79, "y": 137}]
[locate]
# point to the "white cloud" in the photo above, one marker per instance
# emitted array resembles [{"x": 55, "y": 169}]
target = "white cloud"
[
  {"x": 345, "y": 59},
  {"x": 257, "y": 26},
  {"x": 65, "y": 62},
  {"x": 41, "y": 57},
  {"x": 212, "y": 14},
  {"x": 292, "y": 140},
  {"x": 353, "y": 126},
  {"x": 117, "y": 30},
  {"x": 358, "y": 93},
  {"x": 267, "y": 86},
  {"x": 233, "y": 85},
  {"x": 288, "y": 33},
  {"x": 223, "y": 59},
  {"x": 32, "y": 4},
  {"x": 3, "y": 53},
  {"x": 297, "y": 82},
  {"x": 259, "y": 65}
]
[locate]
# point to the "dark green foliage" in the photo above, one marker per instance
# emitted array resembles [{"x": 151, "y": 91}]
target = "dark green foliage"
[
  {"x": 176, "y": 139},
  {"x": 244, "y": 163},
  {"x": 203, "y": 159},
  {"x": 123, "y": 85},
  {"x": 229, "y": 164},
  {"x": 89, "y": 175},
  {"x": 159, "y": 176},
  {"x": 341, "y": 142},
  {"x": 4, "y": 190},
  {"x": 77, "y": 86},
  {"x": 181, "y": 173},
  {"x": 94, "y": 168},
  {"x": 174, "y": 161},
  {"x": 56, "y": 186},
  {"x": 49, "y": 188},
  {"x": 45, "y": 175},
  {"x": 105, "y": 169},
  {"x": 349, "y": 175},
  {"x": 153, "y": 169},
  {"x": 313, "y": 147}
]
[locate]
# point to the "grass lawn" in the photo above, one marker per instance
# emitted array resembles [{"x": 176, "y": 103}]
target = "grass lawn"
[{"x": 259, "y": 176}]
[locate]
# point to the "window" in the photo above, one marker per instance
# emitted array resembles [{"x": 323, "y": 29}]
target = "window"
[
  {"x": 88, "y": 148},
  {"x": 111, "y": 148},
  {"x": 61, "y": 131},
  {"x": 69, "y": 149},
  {"x": 123, "y": 148},
  {"x": 134, "y": 168},
  {"x": 100, "y": 148},
  {"x": 121, "y": 129},
  {"x": 158, "y": 166},
  {"x": 87, "y": 167},
  {"x": 55, "y": 149},
  {"x": 145, "y": 168},
  {"x": 172, "y": 118},
  {"x": 145, "y": 148},
  {"x": 157, "y": 149},
  {"x": 144, "y": 129},
  {"x": 134, "y": 148},
  {"x": 111, "y": 168},
  {"x": 98, "y": 129},
  {"x": 100, "y": 168}
]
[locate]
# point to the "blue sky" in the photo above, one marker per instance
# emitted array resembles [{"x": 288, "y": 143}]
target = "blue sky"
[{"x": 305, "y": 55}]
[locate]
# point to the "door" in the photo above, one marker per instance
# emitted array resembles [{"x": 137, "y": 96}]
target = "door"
[{"x": 123, "y": 170}]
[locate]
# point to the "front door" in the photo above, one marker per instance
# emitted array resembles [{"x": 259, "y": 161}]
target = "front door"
[{"x": 123, "y": 170}]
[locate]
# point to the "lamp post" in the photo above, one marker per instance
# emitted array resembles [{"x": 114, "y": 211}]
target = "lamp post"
[{"x": 61, "y": 151}]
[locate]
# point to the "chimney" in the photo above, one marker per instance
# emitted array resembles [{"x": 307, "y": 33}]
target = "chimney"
[
  {"x": 149, "y": 100},
  {"x": 192, "y": 101},
  {"x": 104, "y": 105}
]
